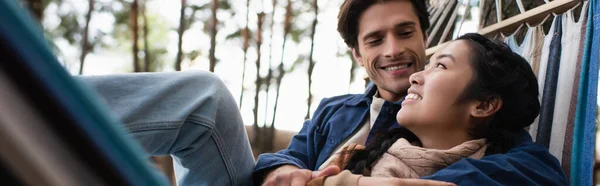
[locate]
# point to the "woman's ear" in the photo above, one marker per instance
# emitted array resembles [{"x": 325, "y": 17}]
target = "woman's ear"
[{"x": 482, "y": 109}]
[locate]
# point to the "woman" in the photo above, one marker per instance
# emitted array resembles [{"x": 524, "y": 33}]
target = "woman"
[{"x": 469, "y": 102}]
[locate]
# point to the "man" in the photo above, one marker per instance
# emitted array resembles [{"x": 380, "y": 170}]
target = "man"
[{"x": 388, "y": 39}]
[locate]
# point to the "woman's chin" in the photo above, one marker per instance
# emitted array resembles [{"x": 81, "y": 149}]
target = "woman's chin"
[
  {"x": 403, "y": 117},
  {"x": 404, "y": 122}
]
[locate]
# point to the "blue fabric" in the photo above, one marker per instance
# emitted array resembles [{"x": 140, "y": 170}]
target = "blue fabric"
[
  {"x": 189, "y": 115},
  {"x": 551, "y": 81},
  {"x": 386, "y": 120},
  {"x": 336, "y": 118},
  {"x": 526, "y": 164},
  {"x": 584, "y": 132},
  {"x": 19, "y": 32}
]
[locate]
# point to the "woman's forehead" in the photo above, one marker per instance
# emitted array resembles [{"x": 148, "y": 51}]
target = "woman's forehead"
[{"x": 457, "y": 51}]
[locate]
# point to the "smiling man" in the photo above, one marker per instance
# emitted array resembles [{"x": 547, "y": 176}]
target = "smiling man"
[
  {"x": 388, "y": 39},
  {"x": 389, "y": 44}
]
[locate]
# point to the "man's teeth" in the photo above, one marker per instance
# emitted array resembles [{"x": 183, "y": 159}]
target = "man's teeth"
[
  {"x": 414, "y": 96},
  {"x": 396, "y": 67}
]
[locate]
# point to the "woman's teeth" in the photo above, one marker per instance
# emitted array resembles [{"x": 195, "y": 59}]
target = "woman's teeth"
[{"x": 413, "y": 96}]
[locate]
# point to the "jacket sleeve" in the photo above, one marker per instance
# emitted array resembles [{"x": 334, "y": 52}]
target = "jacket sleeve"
[
  {"x": 525, "y": 164},
  {"x": 296, "y": 154},
  {"x": 302, "y": 151}
]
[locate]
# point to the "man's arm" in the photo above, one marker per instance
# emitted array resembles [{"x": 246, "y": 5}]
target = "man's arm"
[
  {"x": 525, "y": 164},
  {"x": 296, "y": 154},
  {"x": 303, "y": 149}
]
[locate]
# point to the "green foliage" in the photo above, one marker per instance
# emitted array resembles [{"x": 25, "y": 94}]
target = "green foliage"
[
  {"x": 297, "y": 33},
  {"x": 224, "y": 5},
  {"x": 157, "y": 40},
  {"x": 236, "y": 34},
  {"x": 299, "y": 61},
  {"x": 69, "y": 28},
  {"x": 192, "y": 55}
]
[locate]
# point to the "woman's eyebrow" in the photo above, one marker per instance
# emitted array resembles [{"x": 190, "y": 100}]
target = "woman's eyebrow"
[{"x": 446, "y": 55}]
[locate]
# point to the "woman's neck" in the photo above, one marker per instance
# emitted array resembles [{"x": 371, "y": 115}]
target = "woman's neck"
[{"x": 444, "y": 140}]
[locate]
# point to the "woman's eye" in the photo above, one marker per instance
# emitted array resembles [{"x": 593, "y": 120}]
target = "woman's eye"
[{"x": 440, "y": 65}]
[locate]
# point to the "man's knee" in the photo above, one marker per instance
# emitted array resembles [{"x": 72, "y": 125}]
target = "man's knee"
[{"x": 204, "y": 81}]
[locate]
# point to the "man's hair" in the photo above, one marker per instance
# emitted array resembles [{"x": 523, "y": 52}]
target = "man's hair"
[{"x": 351, "y": 10}]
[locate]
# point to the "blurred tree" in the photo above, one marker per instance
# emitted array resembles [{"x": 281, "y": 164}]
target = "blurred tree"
[
  {"x": 267, "y": 80},
  {"x": 155, "y": 41},
  {"x": 134, "y": 25},
  {"x": 180, "y": 35},
  {"x": 287, "y": 26},
  {"x": 213, "y": 34},
  {"x": 259, "y": 80},
  {"x": 85, "y": 46},
  {"x": 73, "y": 28},
  {"x": 147, "y": 54},
  {"x": 311, "y": 62},
  {"x": 353, "y": 67},
  {"x": 36, "y": 7},
  {"x": 246, "y": 36}
]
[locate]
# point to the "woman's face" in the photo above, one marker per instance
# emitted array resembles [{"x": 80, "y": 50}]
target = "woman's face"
[{"x": 433, "y": 102}]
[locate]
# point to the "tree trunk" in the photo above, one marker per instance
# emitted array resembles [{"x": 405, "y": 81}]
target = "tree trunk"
[
  {"x": 352, "y": 69},
  {"x": 85, "y": 48},
  {"x": 213, "y": 34},
  {"x": 245, "y": 45},
  {"x": 37, "y": 9},
  {"x": 258, "y": 82},
  {"x": 134, "y": 22},
  {"x": 267, "y": 80},
  {"x": 268, "y": 145},
  {"x": 311, "y": 63},
  {"x": 180, "y": 36},
  {"x": 147, "y": 56}
]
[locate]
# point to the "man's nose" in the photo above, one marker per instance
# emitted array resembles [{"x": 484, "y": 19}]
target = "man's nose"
[{"x": 394, "y": 48}]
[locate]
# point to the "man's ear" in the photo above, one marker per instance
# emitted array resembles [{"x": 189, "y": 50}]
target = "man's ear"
[
  {"x": 483, "y": 109},
  {"x": 357, "y": 57}
]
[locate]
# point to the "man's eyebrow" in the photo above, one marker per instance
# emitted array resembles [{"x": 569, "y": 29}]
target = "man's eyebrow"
[
  {"x": 399, "y": 25},
  {"x": 446, "y": 55},
  {"x": 405, "y": 24}
]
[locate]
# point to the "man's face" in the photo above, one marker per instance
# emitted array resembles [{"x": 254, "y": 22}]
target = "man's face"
[{"x": 391, "y": 46}]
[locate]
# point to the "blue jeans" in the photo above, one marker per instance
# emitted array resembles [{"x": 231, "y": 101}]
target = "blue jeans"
[{"x": 191, "y": 116}]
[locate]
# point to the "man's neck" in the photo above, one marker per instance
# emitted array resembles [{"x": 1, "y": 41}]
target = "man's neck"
[{"x": 390, "y": 96}]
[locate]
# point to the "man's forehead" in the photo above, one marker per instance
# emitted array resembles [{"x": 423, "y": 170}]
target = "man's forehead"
[{"x": 394, "y": 14}]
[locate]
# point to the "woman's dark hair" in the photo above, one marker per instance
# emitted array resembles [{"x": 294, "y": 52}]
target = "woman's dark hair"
[
  {"x": 351, "y": 10},
  {"x": 499, "y": 73}
]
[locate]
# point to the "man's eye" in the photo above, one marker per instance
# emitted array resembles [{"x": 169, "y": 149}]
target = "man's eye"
[
  {"x": 374, "y": 42},
  {"x": 405, "y": 34}
]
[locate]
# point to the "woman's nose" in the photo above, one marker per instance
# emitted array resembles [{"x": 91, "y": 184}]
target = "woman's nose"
[{"x": 416, "y": 78}]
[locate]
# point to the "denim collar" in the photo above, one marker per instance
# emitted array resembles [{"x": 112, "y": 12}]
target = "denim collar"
[{"x": 366, "y": 98}]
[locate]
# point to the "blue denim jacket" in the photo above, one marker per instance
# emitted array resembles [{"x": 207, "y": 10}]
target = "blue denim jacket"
[{"x": 336, "y": 119}]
